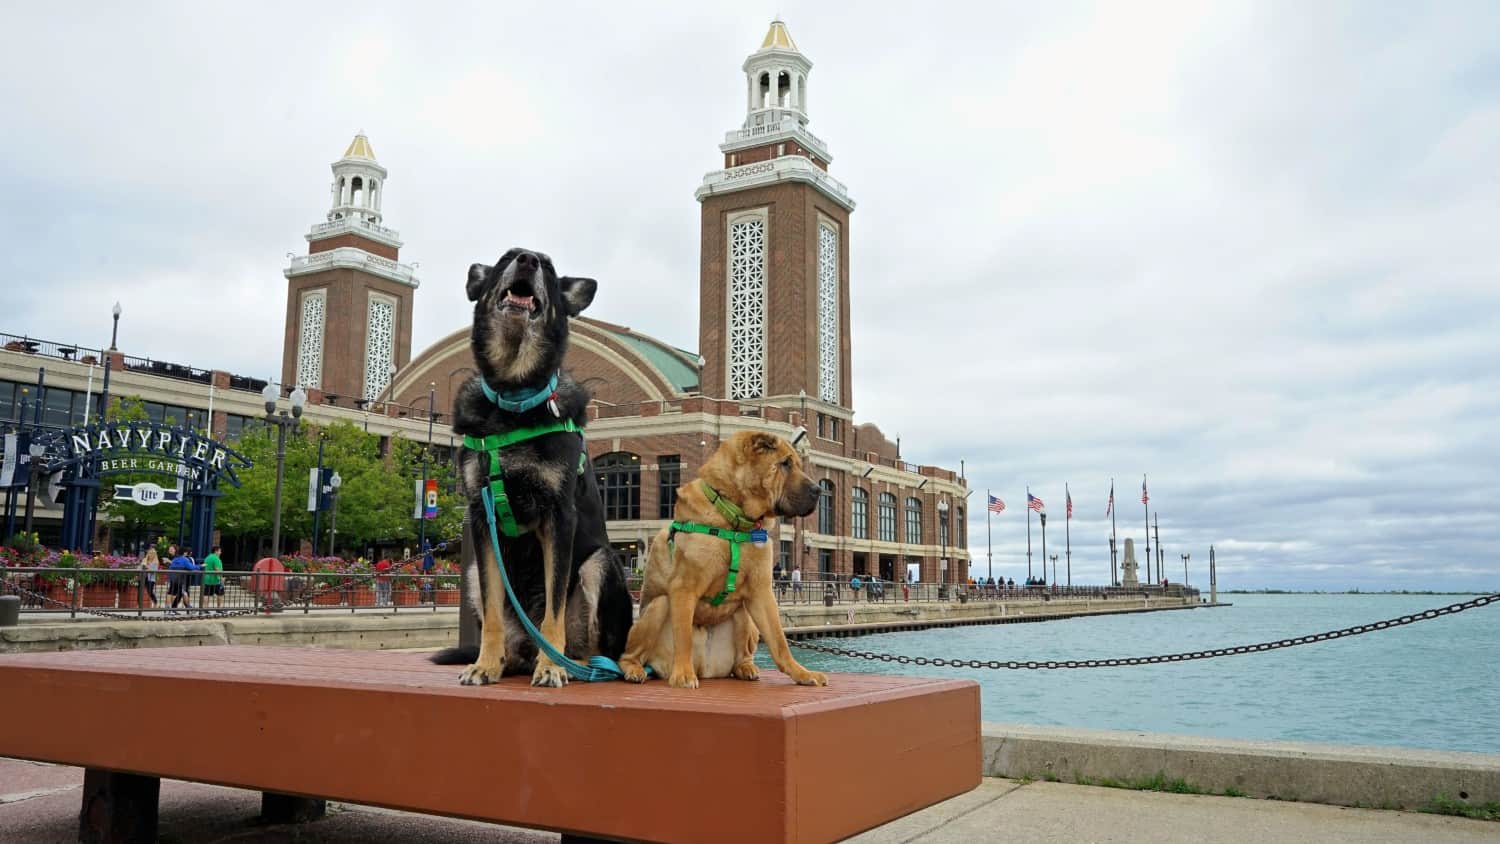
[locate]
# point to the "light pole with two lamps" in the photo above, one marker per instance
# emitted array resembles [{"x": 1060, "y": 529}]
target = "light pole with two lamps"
[
  {"x": 1185, "y": 558},
  {"x": 283, "y": 421}
]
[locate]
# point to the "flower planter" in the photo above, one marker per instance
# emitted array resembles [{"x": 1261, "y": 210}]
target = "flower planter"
[
  {"x": 131, "y": 597},
  {"x": 97, "y": 595},
  {"x": 447, "y": 597},
  {"x": 59, "y": 593},
  {"x": 362, "y": 596},
  {"x": 328, "y": 598},
  {"x": 405, "y": 597}
]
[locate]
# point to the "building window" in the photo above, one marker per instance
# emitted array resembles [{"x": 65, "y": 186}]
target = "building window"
[
  {"x": 781, "y": 149},
  {"x": 825, "y": 563},
  {"x": 8, "y": 410},
  {"x": 57, "y": 407},
  {"x": 310, "y": 339},
  {"x": 825, "y": 506},
  {"x": 943, "y": 529},
  {"x": 828, "y": 313},
  {"x": 860, "y": 528},
  {"x": 784, "y": 555},
  {"x": 380, "y": 345},
  {"x": 833, "y": 429},
  {"x": 620, "y": 484},
  {"x": 887, "y": 517},
  {"x": 747, "y": 308},
  {"x": 820, "y": 425},
  {"x": 963, "y": 533},
  {"x": 914, "y": 521},
  {"x": 669, "y": 471}
]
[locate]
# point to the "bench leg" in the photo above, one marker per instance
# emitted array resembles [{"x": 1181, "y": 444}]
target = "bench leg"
[
  {"x": 117, "y": 807},
  {"x": 284, "y": 808}
]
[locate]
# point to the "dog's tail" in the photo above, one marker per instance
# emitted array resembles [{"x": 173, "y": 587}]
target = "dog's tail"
[{"x": 456, "y": 656}]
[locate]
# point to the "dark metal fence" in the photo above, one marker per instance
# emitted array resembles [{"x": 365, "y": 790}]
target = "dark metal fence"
[
  {"x": 49, "y": 348},
  {"x": 127, "y": 593}
]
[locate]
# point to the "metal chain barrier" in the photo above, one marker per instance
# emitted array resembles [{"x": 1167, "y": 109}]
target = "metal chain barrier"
[
  {"x": 205, "y": 614},
  {"x": 1356, "y": 630}
]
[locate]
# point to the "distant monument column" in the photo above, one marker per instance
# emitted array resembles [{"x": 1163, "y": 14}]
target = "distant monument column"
[{"x": 1130, "y": 565}]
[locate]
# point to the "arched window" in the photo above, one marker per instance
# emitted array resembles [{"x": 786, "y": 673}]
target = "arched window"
[
  {"x": 620, "y": 484},
  {"x": 914, "y": 521},
  {"x": 963, "y": 533},
  {"x": 825, "y": 506},
  {"x": 943, "y": 539},
  {"x": 765, "y": 90},
  {"x": 861, "y": 514},
  {"x": 887, "y": 517},
  {"x": 356, "y": 191}
]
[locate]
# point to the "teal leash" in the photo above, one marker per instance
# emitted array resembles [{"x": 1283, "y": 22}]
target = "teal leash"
[{"x": 598, "y": 668}]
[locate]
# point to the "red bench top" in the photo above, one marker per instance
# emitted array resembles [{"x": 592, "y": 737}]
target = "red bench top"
[{"x": 731, "y": 761}]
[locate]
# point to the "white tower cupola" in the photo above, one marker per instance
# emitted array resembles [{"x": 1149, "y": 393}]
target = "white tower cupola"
[
  {"x": 358, "y": 183},
  {"x": 776, "y": 79}
]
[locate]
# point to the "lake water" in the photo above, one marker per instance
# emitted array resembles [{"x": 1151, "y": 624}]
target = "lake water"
[{"x": 1434, "y": 684}]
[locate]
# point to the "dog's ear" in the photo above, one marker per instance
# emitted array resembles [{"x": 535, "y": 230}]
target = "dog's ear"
[
  {"x": 762, "y": 442},
  {"x": 577, "y": 293},
  {"x": 477, "y": 274}
]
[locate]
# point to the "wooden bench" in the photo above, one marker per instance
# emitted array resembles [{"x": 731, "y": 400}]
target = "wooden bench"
[{"x": 732, "y": 761}]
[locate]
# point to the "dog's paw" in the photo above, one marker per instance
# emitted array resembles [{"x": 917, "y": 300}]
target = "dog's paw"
[
  {"x": 746, "y": 670},
  {"x": 549, "y": 674},
  {"x": 683, "y": 680},
  {"x": 481, "y": 675},
  {"x": 811, "y": 678},
  {"x": 633, "y": 671}
]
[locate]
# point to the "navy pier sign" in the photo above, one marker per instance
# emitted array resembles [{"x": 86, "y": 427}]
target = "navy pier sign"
[{"x": 193, "y": 463}]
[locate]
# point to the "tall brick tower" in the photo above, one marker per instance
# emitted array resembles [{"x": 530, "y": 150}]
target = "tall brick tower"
[
  {"x": 349, "y": 301},
  {"x": 774, "y": 324}
]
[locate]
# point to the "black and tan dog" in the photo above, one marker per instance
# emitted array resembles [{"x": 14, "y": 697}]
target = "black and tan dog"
[
  {"x": 560, "y": 563},
  {"x": 755, "y": 477}
]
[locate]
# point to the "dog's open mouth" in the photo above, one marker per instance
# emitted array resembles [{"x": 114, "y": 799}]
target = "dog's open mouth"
[{"x": 519, "y": 298}]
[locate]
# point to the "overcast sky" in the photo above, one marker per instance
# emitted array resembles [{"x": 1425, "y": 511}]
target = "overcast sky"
[{"x": 1249, "y": 249}]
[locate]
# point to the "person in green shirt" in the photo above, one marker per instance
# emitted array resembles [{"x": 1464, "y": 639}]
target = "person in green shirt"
[{"x": 213, "y": 582}]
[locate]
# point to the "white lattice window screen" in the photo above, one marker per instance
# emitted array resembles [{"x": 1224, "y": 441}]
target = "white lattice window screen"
[
  {"x": 310, "y": 340},
  {"x": 380, "y": 345},
  {"x": 828, "y": 314},
  {"x": 747, "y": 309}
]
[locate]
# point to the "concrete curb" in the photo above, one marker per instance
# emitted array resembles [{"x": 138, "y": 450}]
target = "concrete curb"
[
  {"x": 1378, "y": 777},
  {"x": 362, "y": 630}
]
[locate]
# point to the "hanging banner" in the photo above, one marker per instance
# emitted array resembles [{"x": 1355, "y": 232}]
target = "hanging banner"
[
  {"x": 417, "y": 496},
  {"x": 429, "y": 505}
]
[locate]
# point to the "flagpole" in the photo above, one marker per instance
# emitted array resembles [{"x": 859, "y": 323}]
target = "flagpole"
[
  {"x": 1114, "y": 579},
  {"x": 1146, "y": 503},
  {"x": 1068, "y": 530},
  {"x": 989, "y": 540},
  {"x": 1028, "y": 534}
]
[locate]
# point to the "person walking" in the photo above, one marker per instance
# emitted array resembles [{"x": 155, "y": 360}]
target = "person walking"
[
  {"x": 854, "y": 585},
  {"x": 150, "y": 565},
  {"x": 179, "y": 578},
  {"x": 796, "y": 585},
  {"x": 213, "y": 581},
  {"x": 382, "y": 583}
]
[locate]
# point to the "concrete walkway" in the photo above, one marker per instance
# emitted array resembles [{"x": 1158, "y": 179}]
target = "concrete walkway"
[
  {"x": 39, "y": 803},
  {"x": 1046, "y": 811}
]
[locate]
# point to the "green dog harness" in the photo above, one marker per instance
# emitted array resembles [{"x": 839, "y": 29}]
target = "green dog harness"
[
  {"x": 736, "y": 535},
  {"x": 493, "y": 444}
]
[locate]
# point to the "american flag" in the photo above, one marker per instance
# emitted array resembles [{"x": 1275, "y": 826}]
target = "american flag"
[
  {"x": 1070, "y": 505},
  {"x": 1111, "y": 507},
  {"x": 996, "y": 505},
  {"x": 1034, "y": 503},
  {"x": 1144, "y": 497}
]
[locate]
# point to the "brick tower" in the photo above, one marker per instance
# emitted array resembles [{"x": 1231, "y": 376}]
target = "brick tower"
[
  {"x": 349, "y": 301},
  {"x": 774, "y": 324}
]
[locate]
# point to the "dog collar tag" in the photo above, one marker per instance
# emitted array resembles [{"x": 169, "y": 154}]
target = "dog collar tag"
[
  {"x": 759, "y": 536},
  {"x": 552, "y": 405}
]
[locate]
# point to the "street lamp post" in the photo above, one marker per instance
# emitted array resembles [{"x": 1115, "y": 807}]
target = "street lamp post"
[
  {"x": 1043, "y": 514},
  {"x": 114, "y": 333},
  {"x": 1185, "y": 558},
  {"x": 36, "y": 451},
  {"x": 1114, "y": 579},
  {"x": 283, "y": 422},
  {"x": 109, "y": 359},
  {"x": 942, "y": 508},
  {"x": 333, "y": 528},
  {"x": 1054, "y": 569},
  {"x": 320, "y": 489},
  {"x": 427, "y": 450}
]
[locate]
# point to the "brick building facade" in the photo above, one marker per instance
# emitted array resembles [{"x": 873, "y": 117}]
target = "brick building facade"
[{"x": 773, "y": 354}]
